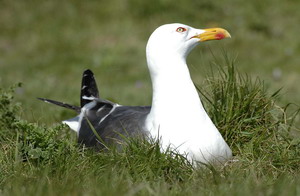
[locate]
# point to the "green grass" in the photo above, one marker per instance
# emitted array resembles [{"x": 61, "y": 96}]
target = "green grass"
[
  {"x": 42, "y": 160},
  {"x": 46, "y": 46}
]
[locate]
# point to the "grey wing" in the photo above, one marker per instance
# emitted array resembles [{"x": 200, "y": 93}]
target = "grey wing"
[{"x": 111, "y": 122}]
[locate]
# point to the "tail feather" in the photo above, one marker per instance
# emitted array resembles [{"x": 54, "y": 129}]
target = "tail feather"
[
  {"x": 62, "y": 104},
  {"x": 89, "y": 89}
]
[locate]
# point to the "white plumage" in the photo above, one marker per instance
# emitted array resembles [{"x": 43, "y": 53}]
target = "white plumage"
[{"x": 177, "y": 115}]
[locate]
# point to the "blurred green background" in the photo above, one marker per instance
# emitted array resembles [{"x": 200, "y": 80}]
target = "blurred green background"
[{"x": 47, "y": 44}]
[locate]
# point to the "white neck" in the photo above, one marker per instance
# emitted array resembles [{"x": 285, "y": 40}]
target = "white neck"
[
  {"x": 177, "y": 115},
  {"x": 175, "y": 98}
]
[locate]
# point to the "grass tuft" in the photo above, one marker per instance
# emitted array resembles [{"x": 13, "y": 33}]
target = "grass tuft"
[{"x": 251, "y": 122}]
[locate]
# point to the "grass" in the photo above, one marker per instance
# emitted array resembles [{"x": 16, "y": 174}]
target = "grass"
[
  {"x": 40, "y": 43},
  {"x": 47, "y": 45},
  {"x": 42, "y": 160}
]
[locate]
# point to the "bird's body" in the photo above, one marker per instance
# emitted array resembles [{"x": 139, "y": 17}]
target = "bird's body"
[{"x": 176, "y": 117}]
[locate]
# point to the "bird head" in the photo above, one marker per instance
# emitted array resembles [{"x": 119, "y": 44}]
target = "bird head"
[{"x": 179, "y": 39}]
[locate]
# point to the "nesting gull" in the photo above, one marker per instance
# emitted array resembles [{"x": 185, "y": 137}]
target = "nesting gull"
[{"x": 176, "y": 117}]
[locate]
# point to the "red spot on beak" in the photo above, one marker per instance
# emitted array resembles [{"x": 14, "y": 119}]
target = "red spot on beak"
[{"x": 220, "y": 36}]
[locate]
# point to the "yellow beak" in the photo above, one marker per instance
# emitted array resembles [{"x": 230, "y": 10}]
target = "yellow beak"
[{"x": 212, "y": 34}]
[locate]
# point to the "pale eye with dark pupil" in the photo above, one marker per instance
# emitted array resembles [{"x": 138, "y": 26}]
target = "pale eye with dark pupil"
[{"x": 180, "y": 29}]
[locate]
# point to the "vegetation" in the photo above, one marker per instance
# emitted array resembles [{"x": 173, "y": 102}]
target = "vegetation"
[
  {"x": 46, "y": 46},
  {"x": 40, "y": 160}
]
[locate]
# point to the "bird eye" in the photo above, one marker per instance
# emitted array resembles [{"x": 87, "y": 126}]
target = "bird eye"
[{"x": 180, "y": 29}]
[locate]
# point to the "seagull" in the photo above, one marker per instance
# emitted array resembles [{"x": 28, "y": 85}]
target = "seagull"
[{"x": 176, "y": 117}]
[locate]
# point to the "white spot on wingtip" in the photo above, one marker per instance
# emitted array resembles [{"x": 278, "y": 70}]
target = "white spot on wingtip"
[{"x": 88, "y": 98}]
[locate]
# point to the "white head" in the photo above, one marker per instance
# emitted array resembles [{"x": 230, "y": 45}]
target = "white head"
[{"x": 177, "y": 40}]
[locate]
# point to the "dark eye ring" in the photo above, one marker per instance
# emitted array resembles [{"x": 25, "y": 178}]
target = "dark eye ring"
[{"x": 180, "y": 29}]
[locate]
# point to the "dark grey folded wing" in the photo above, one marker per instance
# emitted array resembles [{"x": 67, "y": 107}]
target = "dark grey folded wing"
[{"x": 111, "y": 122}]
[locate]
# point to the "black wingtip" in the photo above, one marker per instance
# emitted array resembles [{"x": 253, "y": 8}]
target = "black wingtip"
[
  {"x": 45, "y": 100},
  {"x": 89, "y": 89},
  {"x": 42, "y": 99},
  {"x": 88, "y": 71},
  {"x": 61, "y": 104}
]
